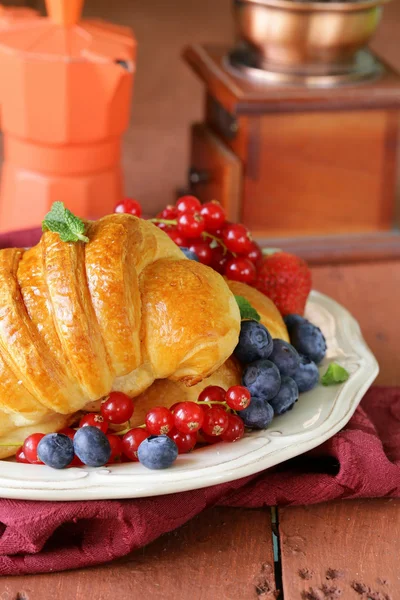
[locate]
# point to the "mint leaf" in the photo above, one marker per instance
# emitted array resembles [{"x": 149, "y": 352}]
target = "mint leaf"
[
  {"x": 268, "y": 251},
  {"x": 76, "y": 225},
  {"x": 56, "y": 213},
  {"x": 214, "y": 244},
  {"x": 62, "y": 221},
  {"x": 246, "y": 309},
  {"x": 335, "y": 374}
]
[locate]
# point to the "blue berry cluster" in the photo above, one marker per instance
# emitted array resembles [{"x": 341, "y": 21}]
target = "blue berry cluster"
[
  {"x": 275, "y": 371},
  {"x": 92, "y": 447}
]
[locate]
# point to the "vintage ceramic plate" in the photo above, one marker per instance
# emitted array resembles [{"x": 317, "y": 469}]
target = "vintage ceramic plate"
[{"x": 317, "y": 416}]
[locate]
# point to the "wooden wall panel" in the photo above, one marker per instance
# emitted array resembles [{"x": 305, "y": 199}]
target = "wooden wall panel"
[{"x": 168, "y": 97}]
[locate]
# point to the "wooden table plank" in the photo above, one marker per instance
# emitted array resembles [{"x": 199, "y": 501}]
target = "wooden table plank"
[
  {"x": 370, "y": 292},
  {"x": 223, "y": 554},
  {"x": 347, "y": 550}
]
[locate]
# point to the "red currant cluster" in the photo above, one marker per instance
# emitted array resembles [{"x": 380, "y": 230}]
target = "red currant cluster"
[
  {"x": 116, "y": 409},
  {"x": 226, "y": 247},
  {"x": 209, "y": 420},
  {"x": 202, "y": 228}
]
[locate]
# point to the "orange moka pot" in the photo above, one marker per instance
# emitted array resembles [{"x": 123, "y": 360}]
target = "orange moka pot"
[{"x": 64, "y": 109}]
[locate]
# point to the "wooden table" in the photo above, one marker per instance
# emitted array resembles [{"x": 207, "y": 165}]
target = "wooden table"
[{"x": 341, "y": 550}]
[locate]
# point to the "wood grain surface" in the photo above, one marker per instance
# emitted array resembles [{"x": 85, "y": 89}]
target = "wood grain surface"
[
  {"x": 341, "y": 550},
  {"x": 222, "y": 554}
]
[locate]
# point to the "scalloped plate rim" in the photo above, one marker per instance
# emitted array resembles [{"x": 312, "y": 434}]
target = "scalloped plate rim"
[{"x": 255, "y": 453}]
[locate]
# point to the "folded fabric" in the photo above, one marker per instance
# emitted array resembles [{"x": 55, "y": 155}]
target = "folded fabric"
[{"x": 361, "y": 461}]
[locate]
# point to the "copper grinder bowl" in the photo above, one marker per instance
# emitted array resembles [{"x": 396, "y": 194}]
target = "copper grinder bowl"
[{"x": 309, "y": 37}]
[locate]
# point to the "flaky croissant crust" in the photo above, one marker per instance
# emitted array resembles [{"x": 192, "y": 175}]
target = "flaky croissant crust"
[{"x": 79, "y": 320}]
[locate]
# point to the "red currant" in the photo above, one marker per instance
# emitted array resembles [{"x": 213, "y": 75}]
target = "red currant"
[
  {"x": 185, "y": 441},
  {"x": 20, "y": 456},
  {"x": 94, "y": 420},
  {"x": 219, "y": 259},
  {"x": 69, "y": 432},
  {"x": 254, "y": 254},
  {"x": 129, "y": 206},
  {"x": 132, "y": 440},
  {"x": 235, "y": 429},
  {"x": 30, "y": 448},
  {"x": 218, "y": 232},
  {"x": 215, "y": 421},
  {"x": 214, "y": 215},
  {"x": 117, "y": 408},
  {"x": 203, "y": 251},
  {"x": 191, "y": 225},
  {"x": 188, "y": 417},
  {"x": 116, "y": 448},
  {"x": 237, "y": 238},
  {"x": 212, "y": 393},
  {"x": 177, "y": 237},
  {"x": 159, "y": 420},
  {"x": 169, "y": 213},
  {"x": 241, "y": 269},
  {"x": 209, "y": 439},
  {"x": 238, "y": 397},
  {"x": 188, "y": 204}
]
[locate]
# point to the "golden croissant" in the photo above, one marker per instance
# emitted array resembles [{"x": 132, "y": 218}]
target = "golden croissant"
[
  {"x": 80, "y": 320},
  {"x": 165, "y": 392}
]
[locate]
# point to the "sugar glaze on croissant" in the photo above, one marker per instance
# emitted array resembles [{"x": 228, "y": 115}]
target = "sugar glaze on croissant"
[{"x": 79, "y": 320}]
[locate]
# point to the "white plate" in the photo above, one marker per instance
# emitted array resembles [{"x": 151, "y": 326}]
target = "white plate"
[{"x": 317, "y": 416}]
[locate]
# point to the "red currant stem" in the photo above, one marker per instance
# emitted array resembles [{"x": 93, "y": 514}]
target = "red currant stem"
[
  {"x": 205, "y": 234},
  {"x": 165, "y": 221},
  {"x": 224, "y": 404},
  {"x": 124, "y": 431}
]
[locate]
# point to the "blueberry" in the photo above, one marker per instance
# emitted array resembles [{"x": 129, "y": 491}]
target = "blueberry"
[
  {"x": 157, "y": 452},
  {"x": 258, "y": 415},
  {"x": 92, "y": 446},
  {"x": 189, "y": 254},
  {"x": 309, "y": 340},
  {"x": 56, "y": 450},
  {"x": 286, "y": 397},
  {"x": 307, "y": 374},
  {"x": 255, "y": 342},
  {"x": 262, "y": 378},
  {"x": 290, "y": 320},
  {"x": 285, "y": 357}
]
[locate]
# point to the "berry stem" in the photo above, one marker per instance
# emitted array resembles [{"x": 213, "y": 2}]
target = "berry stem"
[
  {"x": 165, "y": 221},
  {"x": 210, "y": 236},
  {"x": 224, "y": 404},
  {"x": 124, "y": 431}
]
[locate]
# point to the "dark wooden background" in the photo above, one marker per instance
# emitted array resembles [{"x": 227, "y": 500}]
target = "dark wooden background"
[{"x": 168, "y": 97}]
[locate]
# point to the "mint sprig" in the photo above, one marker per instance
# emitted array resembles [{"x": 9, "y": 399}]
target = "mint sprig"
[
  {"x": 335, "y": 374},
  {"x": 247, "y": 311},
  {"x": 62, "y": 221}
]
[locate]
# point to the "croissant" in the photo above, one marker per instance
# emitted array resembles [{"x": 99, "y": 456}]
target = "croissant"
[
  {"x": 165, "y": 392},
  {"x": 80, "y": 320}
]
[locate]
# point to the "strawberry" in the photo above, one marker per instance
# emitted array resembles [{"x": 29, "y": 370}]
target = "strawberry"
[{"x": 286, "y": 279}]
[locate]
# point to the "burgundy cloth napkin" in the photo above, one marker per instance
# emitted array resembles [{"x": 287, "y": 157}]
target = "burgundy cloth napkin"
[{"x": 361, "y": 461}]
